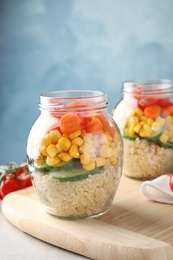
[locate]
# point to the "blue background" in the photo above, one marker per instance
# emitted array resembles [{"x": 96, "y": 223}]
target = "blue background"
[{"x": 75, "y": 44}]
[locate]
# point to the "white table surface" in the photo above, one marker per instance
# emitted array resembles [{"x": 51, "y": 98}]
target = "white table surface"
[{"x": 17, "y": 245}]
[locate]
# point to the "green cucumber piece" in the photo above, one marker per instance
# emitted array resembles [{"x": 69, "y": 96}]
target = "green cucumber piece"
[
  {"x": 62, "y": 166},
  {"x": 170, "y": 141},
  {"x": 130, "y": 137},
  {"x": 75, "y": 174},
  {"x": 154, "y": 137},
  {"x": 166, "y": 145}
]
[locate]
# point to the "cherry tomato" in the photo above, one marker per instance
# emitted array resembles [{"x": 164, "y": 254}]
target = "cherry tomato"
[
  {"x": 171, "y": 182},
  {"x": 10, "y": 184},
  {"x": 146, "y": 102}
]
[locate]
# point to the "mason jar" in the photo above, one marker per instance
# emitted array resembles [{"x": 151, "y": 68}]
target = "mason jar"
[
  {"x": 145, "y": 119},
  {"x": 75, "y": 154}
]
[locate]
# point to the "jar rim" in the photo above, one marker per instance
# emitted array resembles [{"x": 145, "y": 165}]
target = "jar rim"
[
  {"x": 60, "y": 99},
  {"x": 148, "y": 86}
]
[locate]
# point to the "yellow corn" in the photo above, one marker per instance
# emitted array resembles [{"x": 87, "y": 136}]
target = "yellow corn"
[
  {"x": 133, "y": 120},
  {"x": 46, "y": 140},
  {"x": 155, "y": 126},
  {"x": 55, "y": 136},
  {"x": 64, "y": 156},
  {"x": 131, "y": 130},
  {"x": 96, "y": 142},
  {"x": 75, "y": 134},
  {"x": 100, "y": 161},
  {"x": 88, "y": 137},
  {"x": 105, "y": 151},
  {"x": 163, "y": 138},
  {"x": 113, "y": 160},
  {"x": 90, "y": 166},
  {"x": 87, "y": 147},
  {"x": 78, "y": 141},
  {"x": 143, "y": 118},
  {"x": 59, "y": 149},
  {"x": 109, "y": 137},
  {"x": 51, "y": 150},
  {"x": 39, "y": 160},
  {"x": 138, "y": 111},
  {"x": 147, "y": 128},
  {"x": 43, "y": 150},
  {"x": 169, "y": 134},
  {"x": 74, "y": 151},
  {"x": 103, "y": 139},
  {"x": 144, "y": 133},
  {"x": 85, "y": 158},
  {"x": 137, "y": 128},
  {"x": 150, "y": 121},
  {"x": 64, "y": 143},
  {"x": 53, "y": 161}
]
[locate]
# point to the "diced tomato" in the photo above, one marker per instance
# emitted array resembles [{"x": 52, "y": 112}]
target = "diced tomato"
[{"x": 147, "y": 101}]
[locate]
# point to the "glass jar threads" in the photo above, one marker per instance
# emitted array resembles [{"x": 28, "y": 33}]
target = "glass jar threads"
[
  {"x": 145, "y": 118},
  {"x": 75, "y": 154}
]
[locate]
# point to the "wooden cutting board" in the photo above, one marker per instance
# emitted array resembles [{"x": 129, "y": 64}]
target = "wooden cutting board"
[{"x": 134, "y": 228}]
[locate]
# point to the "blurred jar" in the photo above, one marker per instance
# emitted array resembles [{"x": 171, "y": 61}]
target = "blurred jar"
[
  {"x": 145, "y": 118},
  {"x": 74, "y": 154}
]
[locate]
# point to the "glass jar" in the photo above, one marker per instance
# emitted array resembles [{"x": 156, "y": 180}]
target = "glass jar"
[
  {"x": 145, "y": 119},
  {"x": 75, "y": 153}
]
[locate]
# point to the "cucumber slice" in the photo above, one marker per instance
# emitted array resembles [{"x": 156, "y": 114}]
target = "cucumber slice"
[
  {"x": 76, "y": 174},
  {"x": 154, "y": 137},
  {"x": 62, "y": 166},
  {"x": 130, "y": 137},
  {"x": 166, "y": 145}
]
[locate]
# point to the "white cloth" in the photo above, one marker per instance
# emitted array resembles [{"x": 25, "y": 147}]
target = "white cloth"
[{"x": 159, "y": 189}]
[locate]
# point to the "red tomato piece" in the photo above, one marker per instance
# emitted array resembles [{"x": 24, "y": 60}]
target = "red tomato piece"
[{"x": 147, "y": 101}]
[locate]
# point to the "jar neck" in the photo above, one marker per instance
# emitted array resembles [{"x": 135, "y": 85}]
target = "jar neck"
[
  {"x": 148, "y": 87},
  {"x": 73, "y": 100}
]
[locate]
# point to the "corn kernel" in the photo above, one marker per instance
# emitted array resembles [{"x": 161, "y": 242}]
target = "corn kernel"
[
  {"x": 131, "y": 130},
  {"x": 59, "y": 149},
  {"x": 53, "y": 161},
  {"x": 88, "y": 137},
  {"x": 90, "y": 166},
  {"x": 85, "y": 158},
  {"x": 74, "y": 151},
  {"x": 103, "y": 139},
  {"x": 39, "y": 160},
  {"x": 113, "y": 160},
  {"x": 51, "y": 150},
  {"x": 55, "y": 136},
  {"x": 96, "y": 142},
  {"x": 163, "y": 138},
  {"x": 43, "y": 150},
  {"x": 64, "y": 156},
  {"x": 64, "y": 143},
  {"x": 138, "y": 111},
  {"x": 150, "y": 121},
  {"x": 78, "y": 141},
  {"x": 144, "y": 118},
  {"x": 137, "y": 128},
  {"x": 133, "y": 120},
  {"x": 109, "y": 137},
  {"x": 155, "y": 126},
  {"x": 46, "y": 140},
  {"x": 144, "y": 133},
  {"x": 169, "y": 134},
  {"x": 105, "y": 151},
  {"x": 75, "y": 134},
  {"x": 87, "y": 147},
  {"x": 147, "y": 128},
  {"x": 100, "y": 161}
]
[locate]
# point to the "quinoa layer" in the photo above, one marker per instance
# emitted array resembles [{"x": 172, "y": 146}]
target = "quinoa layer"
[
  {"x": 78, "y": 199},
  {"x": 146, "y": 160}
]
